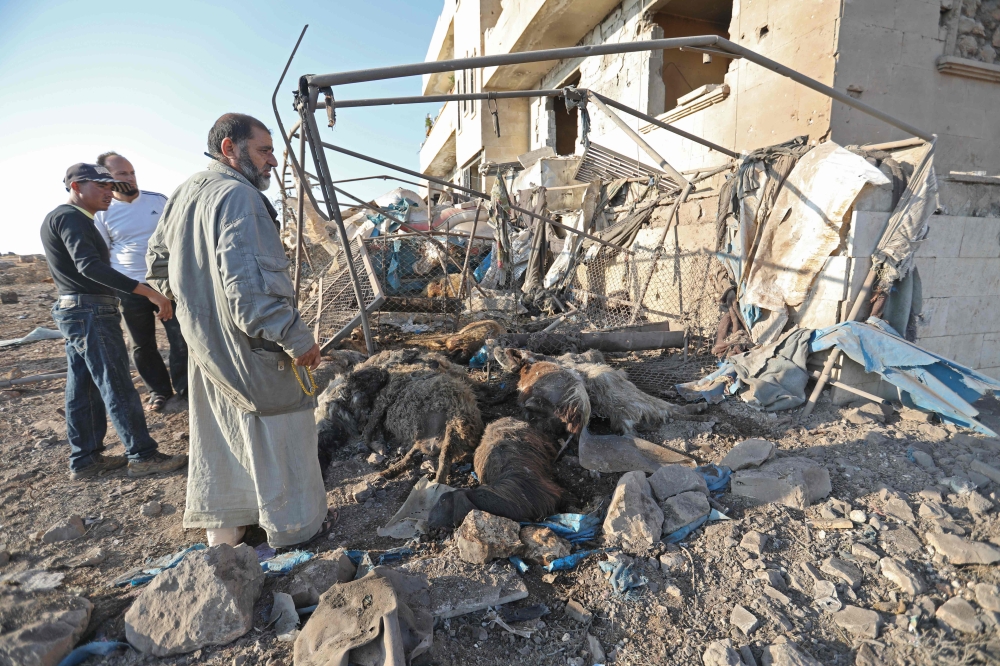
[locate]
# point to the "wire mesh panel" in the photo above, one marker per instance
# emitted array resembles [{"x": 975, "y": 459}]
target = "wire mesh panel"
[{"x": 331, "y": 307}]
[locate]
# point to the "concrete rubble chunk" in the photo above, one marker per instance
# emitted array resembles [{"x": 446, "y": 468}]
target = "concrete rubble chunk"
[
  {"x": 786, "y": 654},
  {"x": 634, "y": 520},
  {"x": 596, "y": 649},
  {"x": 575, "y": 611},
  {"x": 923, "y": 459},
  {"x": 863, "y": 552},
  {"x": 959, "y": 614},
  {"x": 672, "y": 480},
  {"x": 977, "y": 504},
  {"x": 684, "y": 509},
  {"x": 773, "y": 578},
  {"x": 670, "y": 562},
  {"x": 898, "y": 508},
  {"x": 743, "y": 620},
  {"x": 320, "y": 574},
  {"x": 963, "y": 551},
  {"x": 846, "y": 571},
  {"x": 795, "y": 482},
  {"x": 907, "y": 581},
  {"x": 932, "y": 433},
  {"x": 610, "y": 454},
  {"x": 989, "y": 471},
  {"x": 542, "y": 545},
  {"x": 483, "y": 537},
  {"x": 754, "y": 542},
  {"x": 207, "y": 599},
  {"x": 915, "y": 415},
  {"x": 748, "y": 453},
  {"x": 456, "y": 588},
  {"x": 859, "y": 622},
  {"x": 988, "y": 596},
  {"x": 40, "y": 631},
  {"x": 65, "y": 530},
  {"x": 721, "y": 653}
]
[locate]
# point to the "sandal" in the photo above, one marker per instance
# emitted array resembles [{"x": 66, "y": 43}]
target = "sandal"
[{"x": 156, "y": 403}]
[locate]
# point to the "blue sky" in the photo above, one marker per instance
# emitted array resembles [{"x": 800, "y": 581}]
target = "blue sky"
[{"x": 149, "y": 79}]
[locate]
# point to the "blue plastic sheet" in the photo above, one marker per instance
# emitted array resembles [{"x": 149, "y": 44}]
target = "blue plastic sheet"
[
  {"x": 480, "y": 359},
  {"x": 574, "y": 527},
  {"x": 682, "y": 533},
  {"x": 85, "y": 652},
  {"x": 716, "y": 476},
  {"x": 622, "y": 579},
  {"x": 159, "y": 565},
  {"x": 357, "y": 557},
  {"x": 484, "y": 266},
  {"x": 284, "y": 563},
  {"x": 927, "y": 381},
  {"x": 570, "y": 561},
  {"x": 519, "y": 564}
]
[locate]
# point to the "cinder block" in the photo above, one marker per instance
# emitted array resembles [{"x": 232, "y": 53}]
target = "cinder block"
[
  {"x": 926, "y": 267},
  {"x": 866, "y": 231},
  {"x": 989, "y": 355},
  {"x": 966, "y": 277},
  {"x": 966, "y": 349},
  {"x": 981, "y": 237},
  {"x": 944, "y": 238},
  {"x": 940, "y": 345},
  {"x": 933, "y": 319},
  {"x": 917, "y": 17},
  {"x": 973, "y": 314}
]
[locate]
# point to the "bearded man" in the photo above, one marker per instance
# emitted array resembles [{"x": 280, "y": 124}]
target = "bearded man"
[{"x": 216, "y": 252}]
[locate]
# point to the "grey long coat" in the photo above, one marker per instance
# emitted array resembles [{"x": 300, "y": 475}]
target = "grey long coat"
[{"x": 217, "y": 253}]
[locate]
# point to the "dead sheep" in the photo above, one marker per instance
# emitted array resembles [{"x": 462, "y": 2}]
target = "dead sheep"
[
  {"x": 514, "y": 466},
  {"x": 345, "y": 406},
  {"x": 446, "y": 287},
  {"x": 463, "y": 345},
  {"x": 609, "y": 390},
  {"x": 554, "y": 399}
]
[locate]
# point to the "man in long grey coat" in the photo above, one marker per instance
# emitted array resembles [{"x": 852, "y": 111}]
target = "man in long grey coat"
[{"x": 217, "y": 253}]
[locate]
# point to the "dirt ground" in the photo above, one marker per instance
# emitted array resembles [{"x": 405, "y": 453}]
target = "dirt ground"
[{"x": 684, "y": 606}]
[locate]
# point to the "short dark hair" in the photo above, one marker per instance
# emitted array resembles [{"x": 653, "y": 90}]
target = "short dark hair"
[
  {"x": 236, "y": 126},
  {"x": 102, "y": 159}
]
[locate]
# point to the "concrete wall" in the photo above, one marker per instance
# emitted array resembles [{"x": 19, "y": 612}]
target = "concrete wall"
[{"x": 887, "y": 57}]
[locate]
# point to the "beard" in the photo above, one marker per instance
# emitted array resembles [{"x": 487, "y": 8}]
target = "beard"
[{"x": 257, "y": 177}]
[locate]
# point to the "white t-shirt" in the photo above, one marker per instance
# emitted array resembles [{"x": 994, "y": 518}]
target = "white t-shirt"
[{"x": 126, "y": 228}]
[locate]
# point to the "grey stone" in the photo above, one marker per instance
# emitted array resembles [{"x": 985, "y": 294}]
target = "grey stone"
[
  {"x": 91, "y": 558},
  {"x": 795, "y": 482},
  {"x": 283, "y": 615},
  {"x": 932, "y": 510},
  {"x": 670, "y": 562},
  {"x": 362, "y": 491},
  {"x": 773, "y": 578},
  {"x": 907, "y": 581},
  {"x": 898, "y": 509},
  {"x": 320, "y": 574},
  {"x": 865, "y": 414},
  {"x": 609, "y": 454},
  {"x": 959, "y": 614},
  {"x": 743, "y": 619},
  {"x": 915, "y": 415},
  {"x": 596, "y": 650},
  {"x": 634, "y": 520},
  {"x": 483, "y": 537},
  {"x": 932, "y": 433},
  {"x": 923, "y": 459},
  {"x": 754, "y": 542},
  {"x": 988, "y": 596},
  {"x": 990, "y": 472},
  {"x": 40, "y": 631},
  {"x": 747, "y": 655},
  {"x": 575, "y": 611},
  {"x": 748, "y": 453},
  {"x": 720, "y": 653},
  {"x": 962, "y": 551},
  {"x": 542, "y": 545},
  {"x": 207, "y": 599},
  {"x": 901, "y": 539},
  {"x": 977, "y": 504},
  {"x": 4, "y": 556},
  {"x": 846, "y": 571},
  {"x": 683, "y": 509},
  {"x": 863, "y": 552},
  {"x": 457, "y": 588},
  {"x": 65, "y": 530},
  {"x": 786, "y": 654},
  {"x": 672, "y": 480},
  {"x": 776, "y": 594},
  {"x": 151, "y": 508},
  {"x": 859, "y": 622}
]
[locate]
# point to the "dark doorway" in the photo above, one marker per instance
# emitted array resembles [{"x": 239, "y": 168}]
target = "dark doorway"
[
  {"x": 684, "y": 71},
  {"x": 567, "y": 122}
]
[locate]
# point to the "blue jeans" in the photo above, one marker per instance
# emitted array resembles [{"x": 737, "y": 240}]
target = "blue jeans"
[{"x": 98, "y": 381}]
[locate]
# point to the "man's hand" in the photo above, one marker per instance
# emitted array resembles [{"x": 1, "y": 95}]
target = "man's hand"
[
  {"x": 165, "y": 308},
  {"x": 310, "y": 359}
]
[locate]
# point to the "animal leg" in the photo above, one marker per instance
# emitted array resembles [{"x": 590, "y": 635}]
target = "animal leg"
[
  {"x": 400, "y": 467},
  {"x": 451, "y": 449}
]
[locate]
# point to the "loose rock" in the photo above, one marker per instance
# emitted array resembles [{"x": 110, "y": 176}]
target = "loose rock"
[
  {"x": 634, "y": 520},
  {"x": 684, "y": 509},
  {"x": 754, "y": 542},
  {"x": 720, "y": 653},
  {"x": 843, "y": 570},
  {"x": 575, "y": 611},
  {"x": 959, "y": 614},
  {"x": 50, "y": 631},
  {"x": 977, "y": 504},
  {"x": 962, "y": 551},
  {"x": 362, "y": 491},
  {"x": 905, "y": 580},
  {"x": 786, "y": 654},
  {"x": 483, "y": 537},
  {"x": 743, "y": 619},
  {"x": 151, "y": 508},
  {"x": 858, "y": 621},
  {"x": 898, "y": 509},
  {"x": 794, "y": 482},
  {"x": 671, "y": 480},
  {"x": 596, "y": 650},
  {"x": 748, "y": 453},
  {"x": 320, "y": 574},
  {"x": 207, "y": 599},
  {"x": 863, "y": 552},
  {"x": 542, "y": 545},
  {"x": 988, "y": 596},
  {"x": 65, "y": 530}
]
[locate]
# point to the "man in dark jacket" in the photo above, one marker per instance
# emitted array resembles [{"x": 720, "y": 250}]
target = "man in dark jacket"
[{"x": 98, "y": 380}]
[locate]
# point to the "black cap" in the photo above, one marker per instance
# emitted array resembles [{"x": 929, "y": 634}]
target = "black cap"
[{"x": 95, "y": 173}]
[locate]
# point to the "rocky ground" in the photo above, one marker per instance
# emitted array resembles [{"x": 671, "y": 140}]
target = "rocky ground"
[{"x": 897, "y": 564}]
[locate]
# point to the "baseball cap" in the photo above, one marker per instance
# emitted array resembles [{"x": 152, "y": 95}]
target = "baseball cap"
[{"x": 93, "y": 172}]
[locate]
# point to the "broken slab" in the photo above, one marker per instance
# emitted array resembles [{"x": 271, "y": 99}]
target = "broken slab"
[
  {"x": 786, "y": 654},
  {"x": 959, "y": 614},
  {"x": 898, "y": 508},
  {"x": 542, "y": 545},
  {"x": 457, "y": 588},
  {"x": 859, "y": 622},
  {"x": 907, "y": 581},
  {"x": 988, "y": 596},
  {"x": 207, "y": 599},
  {"x": 634, "y": 520},
  {"x": 754, "y": 542},
  {"x": 795, "y": 482},
  {"x": 846, "y": 571},
  {"x": 40, "y": 631},
  {"x": 684, "y": 509},
  {"x": 963, "y": 551},
  {"x": 483, "y": 537},
  {"x": 610, "y": 454},
  {"x": 65, "y": 530},
  {"x": 748, "y": 453},
  {"x": 671, "y": 480},
  {"x": 721, "y": 653},
  {"x": 743, "y": 620}
]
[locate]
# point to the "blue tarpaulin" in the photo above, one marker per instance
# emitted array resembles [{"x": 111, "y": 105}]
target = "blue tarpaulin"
[{"x": 926, "y": 380}]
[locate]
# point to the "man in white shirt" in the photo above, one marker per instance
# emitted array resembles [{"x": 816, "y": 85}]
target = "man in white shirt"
[{"x": 126, "y": 227}]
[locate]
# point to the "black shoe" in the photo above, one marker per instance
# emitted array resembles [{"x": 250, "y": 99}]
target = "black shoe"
[
  {"x": 100, "y": 465},
  {"x": 155, "y": 464}
]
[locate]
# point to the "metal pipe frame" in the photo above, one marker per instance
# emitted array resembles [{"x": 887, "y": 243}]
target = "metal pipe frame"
[{"x": 428, "y": 99}]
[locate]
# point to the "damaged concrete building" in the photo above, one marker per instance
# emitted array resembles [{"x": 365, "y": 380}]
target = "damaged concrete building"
[{"x": 929, "y": 62}]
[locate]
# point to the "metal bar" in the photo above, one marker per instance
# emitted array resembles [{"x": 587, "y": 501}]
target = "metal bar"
[
  {"x": 354, "y": 180},
  {"x": 426, "y": 99},
  {"x": 855, "y": 391},
  {"x": 33, "y": 379},
  {"x": 466, "y": 190},
  {"x": 892, "y": 145},
  {"x": 843, "y": 98},
  {"x": 299, "y": 221},
  {"x": 309, "y": 128},
  {"x": 468, "y": 251},
  {"x": 438, "y": 66},
  {"x": 632, "y": 134},
  {"x": 659, "y": 123},
  {"x": 717, "y": 52}
]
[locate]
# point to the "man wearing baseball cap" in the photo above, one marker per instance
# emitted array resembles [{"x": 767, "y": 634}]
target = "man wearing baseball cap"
[{"x": 98, "y": 380}]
